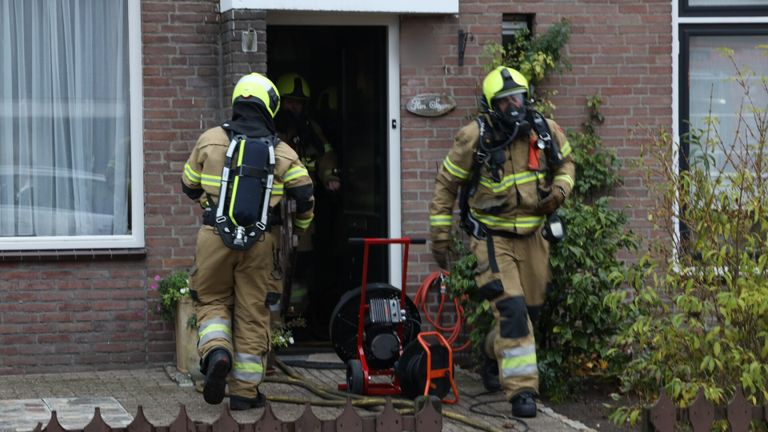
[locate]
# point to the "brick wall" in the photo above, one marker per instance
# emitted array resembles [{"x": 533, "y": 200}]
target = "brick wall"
[
  {"x": 71, "y": 316},
  {"x": 182, "y": 97},
  {"x": 96, "y": 314},
  {"x": 618, "y": 49}
]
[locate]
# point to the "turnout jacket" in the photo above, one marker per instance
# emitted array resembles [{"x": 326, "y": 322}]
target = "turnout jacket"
[
  {"x": 314, "y": 151},
  {"x": 509, "y": 204},
  {"x": 202, "y": 173}
]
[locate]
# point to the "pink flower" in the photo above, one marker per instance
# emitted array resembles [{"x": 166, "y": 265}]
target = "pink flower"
[
  {"x": 153, "y": 287},
  {"x": 157, "y": 277}
]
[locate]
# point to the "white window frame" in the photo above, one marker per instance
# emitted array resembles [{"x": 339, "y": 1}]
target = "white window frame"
[
  {"x": 680, "y": 18},
  {"x": 136, "y": 238}
]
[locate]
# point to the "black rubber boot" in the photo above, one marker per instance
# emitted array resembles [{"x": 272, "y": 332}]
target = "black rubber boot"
[
  {"x": 490, "y": 375},
  {"x": 217, "y": 365},
  {"x": 239, "y": 403},
  {"x": 523, "y": 405}
]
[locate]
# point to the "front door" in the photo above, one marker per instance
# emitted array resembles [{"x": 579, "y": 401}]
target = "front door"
[{"x": 345, "y": 68}]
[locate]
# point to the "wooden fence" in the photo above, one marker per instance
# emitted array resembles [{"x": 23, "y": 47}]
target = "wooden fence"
[
  {"x": 739, "y": 412},
  {"x": 428, "y": 419}
]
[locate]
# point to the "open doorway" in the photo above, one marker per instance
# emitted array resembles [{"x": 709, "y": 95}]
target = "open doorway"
[{"x": 345, "y": 68}]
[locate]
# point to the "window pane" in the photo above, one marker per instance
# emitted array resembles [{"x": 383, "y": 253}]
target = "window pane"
[
  {"x": 64, "y": 118},
  {"x": 714, "y": 94}
]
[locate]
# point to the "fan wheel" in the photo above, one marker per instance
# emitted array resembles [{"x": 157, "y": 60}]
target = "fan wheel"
[{"x": 346, "y": 316}]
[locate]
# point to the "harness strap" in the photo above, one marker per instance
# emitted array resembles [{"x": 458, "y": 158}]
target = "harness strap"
[{"x": 491, "y": 254}]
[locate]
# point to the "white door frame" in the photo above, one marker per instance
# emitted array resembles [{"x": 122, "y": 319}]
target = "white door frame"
[{"x": 391, "y": 21}]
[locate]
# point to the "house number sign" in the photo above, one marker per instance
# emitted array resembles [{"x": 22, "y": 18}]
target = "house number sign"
[{"x": 430, "y": 105}]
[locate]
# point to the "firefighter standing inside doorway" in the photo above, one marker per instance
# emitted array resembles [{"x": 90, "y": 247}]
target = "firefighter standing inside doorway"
[
  {"x": 514, "y": 169},
  {"x": 234, "y": 172},
  {"x": 306, "y": 137}
]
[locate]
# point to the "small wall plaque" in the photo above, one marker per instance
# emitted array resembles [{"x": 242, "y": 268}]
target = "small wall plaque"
[{"x": 430, "y": 105}]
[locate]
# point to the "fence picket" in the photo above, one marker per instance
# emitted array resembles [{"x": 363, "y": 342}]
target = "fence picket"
[
  {"x": 428, "y": 419},
  {"x": 53, "y": 424},
  {"x": 663, "y": 414},
  {"x": 140, "y": 422},
  {"x": 225, "y": 422},
  {"x": 97, "y": 423},
  {"x": 349, "y": 420},
  {"x": 308, "y": 422},
  {"x": 389, "y": 419},
  {"x": 701, "y": 413},
  {"x": 268, "y": 422},
  {"x": 739, "y": 412}
]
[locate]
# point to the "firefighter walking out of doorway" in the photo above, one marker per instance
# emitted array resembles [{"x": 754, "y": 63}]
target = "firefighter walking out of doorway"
[
  {"x": 296, "y": 127},
  {"x": 238, "y": 172},
  {"x": 511, "y": 170}
]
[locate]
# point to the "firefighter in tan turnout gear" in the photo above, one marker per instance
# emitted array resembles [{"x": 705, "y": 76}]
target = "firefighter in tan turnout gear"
[
  {"x": 239, "y": 172},
  {"x": 296, "y": 127},
  {"x": 511, "y": 169}
]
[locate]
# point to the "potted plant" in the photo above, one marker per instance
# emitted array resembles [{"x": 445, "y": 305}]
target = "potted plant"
[{"x": 176, "y": 307}]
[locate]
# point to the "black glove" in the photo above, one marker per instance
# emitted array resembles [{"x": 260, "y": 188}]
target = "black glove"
[
  {"x": 440, "y": 252},
  {"x": 551, "y": 202}
]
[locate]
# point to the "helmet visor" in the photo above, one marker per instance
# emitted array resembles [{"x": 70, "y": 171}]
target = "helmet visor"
[
  {"x": 516, "y": 92},
  {"x": 509, "y": 102}
]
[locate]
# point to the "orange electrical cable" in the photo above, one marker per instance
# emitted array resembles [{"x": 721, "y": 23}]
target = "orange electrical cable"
[{"x": 420, "y": 300}]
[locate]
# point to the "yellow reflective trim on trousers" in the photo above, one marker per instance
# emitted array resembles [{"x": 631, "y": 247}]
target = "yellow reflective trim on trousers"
[
  {"x": 256, "y": 368},
  {"x": 566, "y": 149},
  {"x": 294, "y": 173},
  {"x": 518, "y": 222},
  {"x": 455, "y": 170},
  {"x": 440, "y": 220},
  {"x": 303, "y": 223},
  {"x": 510, "y": 180},
  {"x": 215, "y": 328},
  {"x": 191, "y": 174},
  {"x": 517, "y": 362},
  {"x": 566, "y": 178},
  {"x": 233, "y": 199}
]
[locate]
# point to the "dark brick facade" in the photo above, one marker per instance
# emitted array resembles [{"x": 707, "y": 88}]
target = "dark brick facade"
[
  {"x": 97, "y": 314},
  {"x": 618, "y": 49}
]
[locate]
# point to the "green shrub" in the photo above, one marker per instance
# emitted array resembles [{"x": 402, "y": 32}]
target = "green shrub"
[
  {"x": 576, "y": 326},
  {"x": 534, "y": 57},
  {"x": 700, "y": 297},
  {"x": 171, "y": 288}
]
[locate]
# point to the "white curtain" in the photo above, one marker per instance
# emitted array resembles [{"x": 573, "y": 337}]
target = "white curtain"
[
  {"x": 715, "y": 96},
  {"x": 64, "y": 118}
]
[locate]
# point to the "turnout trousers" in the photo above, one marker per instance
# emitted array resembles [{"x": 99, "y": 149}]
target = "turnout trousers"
[
  {"x": 230, "y": 290},
  {"x": 513, "y": 272}
]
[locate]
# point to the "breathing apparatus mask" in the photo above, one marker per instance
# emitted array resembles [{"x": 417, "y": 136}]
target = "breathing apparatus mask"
[
  {"x": 509, "y": 112},
  {"x": 504, "y": 100}
]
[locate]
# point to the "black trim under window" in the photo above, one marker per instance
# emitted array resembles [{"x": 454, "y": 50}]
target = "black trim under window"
[{"x": 686, "y": 10}]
